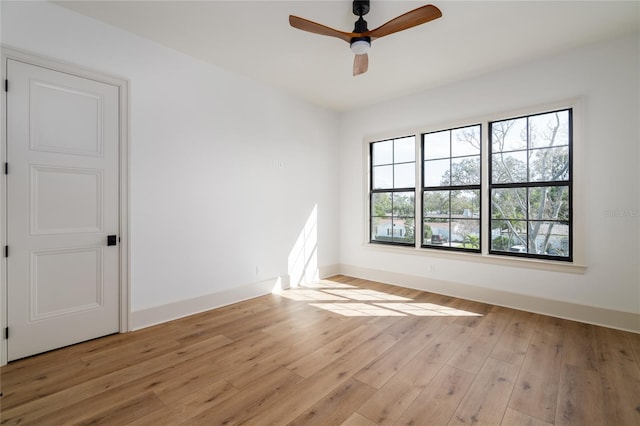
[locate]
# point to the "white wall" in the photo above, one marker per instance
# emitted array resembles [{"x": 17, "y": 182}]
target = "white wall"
[
  {"x": 606, "y": 79},
  {"x": 225, "y": 172}
]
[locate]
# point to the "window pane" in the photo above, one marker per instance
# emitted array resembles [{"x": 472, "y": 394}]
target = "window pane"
[
  {"x": 436, "y": 204},
  {"x": 465, "y": 171},
  {"x": 548, "y": 130},
  {"x": 393, "y": 213},
  {"x": 404, "y": 175},
  {"x": 381, "y": 228},
  {"x": 465, "y": 141},
  {"x": 509, "y": 135},
  {"x": 551, "y": 164},
  {"x": 530, "y": 213},
  {"x": 383, "y": 177},
  {"x": 549, "y": 203},
  {"x": 551, "y": 238},
  {"x": 509, "y": 167},
  {"x": 465, "y": 204},
  {"x": 436, "y": 172},
  {"x": 465, "y": 234},
  {"x": 508, "y": 203},
  {"x": 404, "y": 204},
  {"x": 403, "y": 230},
  {"x": 436, "y": 232},
  {"x": 509, "y": 236},
  {"x": 404, "y": 150},
  {"x": 437, "y": 145},
  {"x": 381, "y": 204},
  {"x": 382, "y": 152}
]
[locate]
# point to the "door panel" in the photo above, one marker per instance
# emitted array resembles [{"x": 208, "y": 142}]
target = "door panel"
[
  {"x": 59, "y": 281},
  {"x": 62, "y": 202},
  {"x": 65, "y": 200},
  {"x": 53, "y": 107}
]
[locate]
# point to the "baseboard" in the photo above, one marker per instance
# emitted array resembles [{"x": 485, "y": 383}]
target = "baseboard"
[
  {"x": 620, "y": 320},
  {"x": 328, "y": 270},
  {"x": 159, "y": 314}
]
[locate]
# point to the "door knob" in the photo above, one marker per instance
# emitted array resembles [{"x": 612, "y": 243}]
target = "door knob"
[{"x": 112, "y": 240}]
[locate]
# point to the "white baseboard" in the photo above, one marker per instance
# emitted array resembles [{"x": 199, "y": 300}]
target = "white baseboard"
[
  {"x": 159, "y": 314},
  {"x": 627, "y": 321},
  {"x": 329, "y": 270}
]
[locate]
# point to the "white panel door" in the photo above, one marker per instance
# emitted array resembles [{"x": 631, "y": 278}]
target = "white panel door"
[{"x": 62, "y": 203}]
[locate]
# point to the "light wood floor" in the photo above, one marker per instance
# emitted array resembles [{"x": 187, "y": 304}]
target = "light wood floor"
[{"x": 348, "y": 352}]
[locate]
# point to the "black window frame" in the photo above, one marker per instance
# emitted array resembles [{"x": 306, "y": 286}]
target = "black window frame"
[
  {"x": 392, "y": 190},
  {"x": 450, "y": 188},
  {"x": 526, "y": 185}
]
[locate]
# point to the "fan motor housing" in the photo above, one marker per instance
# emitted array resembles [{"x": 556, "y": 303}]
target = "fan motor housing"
[{"x": 360, "y": 7}]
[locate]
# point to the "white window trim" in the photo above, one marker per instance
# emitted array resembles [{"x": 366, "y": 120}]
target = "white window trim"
[{"x": 578, "y": 266}]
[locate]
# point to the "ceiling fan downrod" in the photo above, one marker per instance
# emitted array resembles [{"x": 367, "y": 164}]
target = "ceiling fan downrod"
[{"x": 360, "y": 45}]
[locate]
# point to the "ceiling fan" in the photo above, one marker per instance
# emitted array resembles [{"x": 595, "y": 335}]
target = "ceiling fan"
[{"x": 360, "y": 39}]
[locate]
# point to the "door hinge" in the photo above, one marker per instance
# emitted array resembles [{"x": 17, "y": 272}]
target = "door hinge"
[
  {"x": 6, "y": 168},
  {"x": 6, "y": 85},
  {"x": 6, "y": 332},
  {"x": 6, "y": 251}
]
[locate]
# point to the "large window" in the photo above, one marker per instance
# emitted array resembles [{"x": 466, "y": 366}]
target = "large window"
[
  {"x": 530, "y": 185},
  {"x": 393, "y": 177},
  {"x": 451, "y": 188},
  {"x": 526, "y": 188}
]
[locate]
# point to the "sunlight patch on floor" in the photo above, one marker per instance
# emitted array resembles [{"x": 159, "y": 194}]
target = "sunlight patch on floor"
[
  {"x": 326, "y": 284},
  {"x": 427, "y": 310},
  {"x": 357, "y": 310},
  {"x": 364, "y": 294},
  {"x": 351, "y": 301},
  {"x": 302, "y": 294}
]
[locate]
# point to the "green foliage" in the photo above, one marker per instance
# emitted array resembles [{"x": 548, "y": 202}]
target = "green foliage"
[
  {"x": 501, "y": 243},
  {"x": 381, "y": 204},
  {"x": 472, "y": 241},
  {"x": 428, "y": 232},
  {"x": 466, "y": 172}
]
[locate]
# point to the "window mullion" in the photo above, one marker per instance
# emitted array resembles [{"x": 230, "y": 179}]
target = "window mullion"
[
  {"x": 485, "y": 189},
  {"x": 419, "y": 156}
]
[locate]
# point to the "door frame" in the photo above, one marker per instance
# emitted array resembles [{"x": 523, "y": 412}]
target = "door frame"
[{"x": 124, "y": 274}]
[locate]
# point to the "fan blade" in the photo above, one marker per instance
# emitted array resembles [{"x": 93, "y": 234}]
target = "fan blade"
[
  {"x": 360, "y": 64},
  {"x": 314, "y": 27},
  {"x": 410, "y": 19}
]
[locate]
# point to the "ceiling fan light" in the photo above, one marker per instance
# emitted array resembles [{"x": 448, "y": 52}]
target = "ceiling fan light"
[{"x": 360, "y": 47}]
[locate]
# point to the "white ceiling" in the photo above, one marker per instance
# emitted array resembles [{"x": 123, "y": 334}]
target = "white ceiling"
[{"x": 253, "y": 38}]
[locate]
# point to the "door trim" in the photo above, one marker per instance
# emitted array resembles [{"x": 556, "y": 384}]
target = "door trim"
[{"x": 124, "y": 261}]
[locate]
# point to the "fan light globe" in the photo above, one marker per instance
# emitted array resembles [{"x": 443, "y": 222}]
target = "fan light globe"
[{"x": 360, "y": 47}]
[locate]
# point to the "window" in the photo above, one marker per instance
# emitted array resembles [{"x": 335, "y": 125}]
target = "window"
[
  {"x": 526, "y": 188},
  {"x": 530, "y": 185},
  {"x": 451, "y": 189},
  {"x": 393, "y": 177}
]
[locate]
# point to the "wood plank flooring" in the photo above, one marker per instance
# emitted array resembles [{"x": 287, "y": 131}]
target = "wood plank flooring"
[{"x": 344, "y": 351}]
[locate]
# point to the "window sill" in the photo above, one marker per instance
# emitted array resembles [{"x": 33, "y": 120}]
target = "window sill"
[{"x": 514, "y": 262}]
